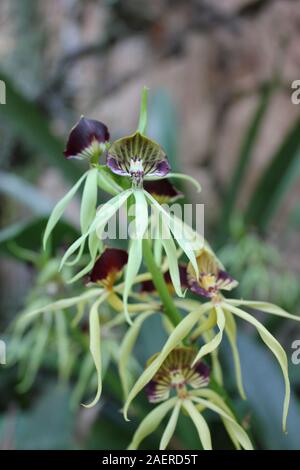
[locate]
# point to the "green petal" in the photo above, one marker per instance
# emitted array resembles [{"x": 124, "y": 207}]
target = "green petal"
[
  {"x": 61, "y": 304},
  {"x": 142, "y": 127},
  {"x": 85, "y": 372},
  {"x": 62, "y": 345},
  {"x": 178, "y": 176},
  {"x": 36, "y": 354},
  {"x": 100, "y": 220},
  {"x": 200, "y": 424},
  {"x": 127, "y": 347},
  {"x": 60, "y": 208},
  {"x": 230, "y": 330},
  {"x": 178, "y": 229},
  {"x": 264, "y": 307},
  {"x": 107, "y": 183},
  {"x": 276, "y": 349},
  {"x": 239, "y": 432},
  {"x": 135, "y": 254},
  {"x": 151, "y": 422},
  {"x": 89, "y": 200},
  {"x": 95, "y": 246},
  {"x": 171, "y": 426},
  {"x": 215, "y": 398},
  {"x": 179, "y": 333},
  {"x": 95, "y": 346},
  {"x": 215, "y": 342},
  {"x": 171, "y": 253}
]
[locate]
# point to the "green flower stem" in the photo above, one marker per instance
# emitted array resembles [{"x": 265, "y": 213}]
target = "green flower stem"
[{"x": 161, "y": 287}]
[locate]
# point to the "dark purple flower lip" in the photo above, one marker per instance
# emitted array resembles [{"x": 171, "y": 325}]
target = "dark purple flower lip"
[
  {"x": 176, "y": 373},
  {"x": 109, "y": 266},
  {"x": 212, "y": 278},
  {"x": 147, "y": 287},
  {"x": 163, "y": 190},
  {"x": 86, "y": 139},
  {"x": 137, "y": 156}
]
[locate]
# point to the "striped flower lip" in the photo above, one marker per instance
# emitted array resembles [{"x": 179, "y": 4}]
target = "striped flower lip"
[
  {"x": 211, "y": 279},
  {"x": 149, "y": 288},
  {"x": 137, "y": 156},
  {"x": 163, "y": 191},
  {"x": 108, "y": 267},
  {"x": 87, "y": 139},
  {"x": 176, "y": 374}
]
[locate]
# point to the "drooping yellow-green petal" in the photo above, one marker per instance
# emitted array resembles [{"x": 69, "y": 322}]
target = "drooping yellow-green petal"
[
  {"x": 135, "y": 254},
  {"x": 170, "y": 428},
  {"x": 205, "y": 324},
  {"x": 36, "y": 355},
  {"x": 64, "y": 359},
  {"x": 85, "y": 372},
  {"x": 151, "y": 422},
  {"x": 179, "y": 333},
  {"x": 103, "y": 215},
  {"x": 87, "y": 208},
  {"x": 264, "y": 307},
  {"x": 200, "y": 424},
  {"x": 142, "y": 126},
  {"x": 276, "y": 349},
  {"x": 239, "y": 432},
  {"x": 217, "y": 372},
  {"x": 60, "y": 208},
  {"x": 182, "y": 176},
  {"x": 107, "y": 183},
  {"x": 95, "y": 245},
  {"x": 178, "y": 230},
  {"x": 61, "y": 304},
  {"x": 170, "y": 250},
  {"x": 230, "y": 330},
  {"x": 95, "y": 346},
  {"x": 215, "y": 398},
  {"x": 127, "y": 347},
  {"x": 215, "y": 342}
]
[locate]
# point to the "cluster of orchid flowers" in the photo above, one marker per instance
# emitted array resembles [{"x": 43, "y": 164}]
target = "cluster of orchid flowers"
[{"x": 134, "y": 170}]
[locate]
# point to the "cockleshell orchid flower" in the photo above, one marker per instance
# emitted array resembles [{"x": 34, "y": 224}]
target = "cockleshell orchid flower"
[{"x": 182, "y": 384}]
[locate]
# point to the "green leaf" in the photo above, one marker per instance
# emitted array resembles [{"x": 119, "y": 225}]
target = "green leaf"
[
  {"x": 24, "y": 193},
  {"x": 200, "y": 424},
  {"x": 29, "y": 123},
  {"x": 275, "y": 180},
  {"x": 27, "y": 235},
  {"x": 246, "y": 151},
  {"x": 151, "y": 422}
]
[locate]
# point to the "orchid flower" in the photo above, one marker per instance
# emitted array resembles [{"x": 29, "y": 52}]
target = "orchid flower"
[{"x": 180, "y": 383}]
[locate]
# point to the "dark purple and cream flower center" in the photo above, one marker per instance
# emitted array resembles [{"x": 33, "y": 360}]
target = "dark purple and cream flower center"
[
  {"x": 212, "y": 278},
  {"x": 137, "y": 156},
  {"x": 176, "y": 374}
]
